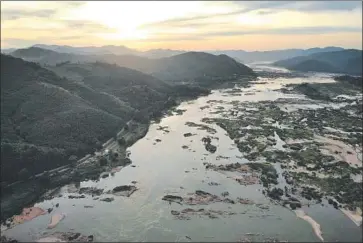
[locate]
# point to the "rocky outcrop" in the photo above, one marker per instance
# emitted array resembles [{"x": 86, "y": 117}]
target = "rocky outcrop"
[
  {"x": 66, "y": 237},
  {"x": 125, "y": 190}
]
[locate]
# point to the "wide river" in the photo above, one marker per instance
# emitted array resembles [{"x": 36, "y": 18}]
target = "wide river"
[{"x": 164, "y": 167}]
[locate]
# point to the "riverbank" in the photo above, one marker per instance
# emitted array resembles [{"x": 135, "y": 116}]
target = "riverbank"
[
  {"x": 25, "y": 193},
  {"x": 212, "y": 190},
  {"x": 20, "y": 194}
]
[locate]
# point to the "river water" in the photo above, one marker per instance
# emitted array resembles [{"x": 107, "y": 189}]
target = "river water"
[{"x": 166, "y": 168}]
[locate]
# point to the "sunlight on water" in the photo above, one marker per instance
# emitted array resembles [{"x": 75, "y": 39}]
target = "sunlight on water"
[{"x": 166, "y": 168}]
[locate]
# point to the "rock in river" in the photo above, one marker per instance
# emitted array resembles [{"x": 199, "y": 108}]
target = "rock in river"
[
  {"x": 91, "y": 191},
  {"x": 188, "y": 134},
  {"x": 172, "y": 198},
  {"x": 125, "y": 190},
  {"x": 107, "y": 199},
  {"x": 66, "y": 237}
]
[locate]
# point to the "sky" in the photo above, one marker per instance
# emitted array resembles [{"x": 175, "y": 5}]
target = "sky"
[{"x": 183, "y": 25}]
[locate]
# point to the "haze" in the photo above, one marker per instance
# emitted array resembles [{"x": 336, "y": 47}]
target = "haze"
[{"x": 183, "y": 25}]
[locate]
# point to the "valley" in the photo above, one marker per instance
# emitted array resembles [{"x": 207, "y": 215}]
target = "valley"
[
  {"x": 181, "y": 121},
  {"x": 273, "y": 159}
]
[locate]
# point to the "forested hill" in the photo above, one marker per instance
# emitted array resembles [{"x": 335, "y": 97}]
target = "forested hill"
[
  {"x": 346, "y": 61},
  {"x": 46, "y": 118},
  {"x": 189, "y": 66}
]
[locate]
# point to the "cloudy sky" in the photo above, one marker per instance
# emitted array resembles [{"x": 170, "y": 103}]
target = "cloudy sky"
[{"x": 188, "y": 25}]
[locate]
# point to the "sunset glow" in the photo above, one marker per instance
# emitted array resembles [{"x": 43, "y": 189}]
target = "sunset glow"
[{"x": 184, "y": 25}]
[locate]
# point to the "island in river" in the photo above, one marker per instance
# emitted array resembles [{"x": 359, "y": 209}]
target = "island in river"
[{"x": 278, "y": 160}]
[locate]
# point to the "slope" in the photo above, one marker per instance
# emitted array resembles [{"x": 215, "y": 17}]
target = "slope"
[
  {"x": 270, "y": 56},
  {"x": 313, "y": 66},
  {"x": 188, "y": 66},
  {"x": 346, "y": 61},
  {"x": 194, "y": 65},
  {"x": 46, "y": 118}
]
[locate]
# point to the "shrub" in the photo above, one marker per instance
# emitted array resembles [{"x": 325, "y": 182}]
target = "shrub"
[
  {"x": 121, "y": 141},
  {"x": 103, "y": 161}
]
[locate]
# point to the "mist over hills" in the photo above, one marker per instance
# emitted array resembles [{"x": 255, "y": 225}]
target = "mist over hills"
[
  {"x": 110, "y": 49},
  {"x": 274, "y": 55},
  {"x": 345, "y": 61},
  {"x": 182, "y": 67},
  {"x": 239, "y": 55}
]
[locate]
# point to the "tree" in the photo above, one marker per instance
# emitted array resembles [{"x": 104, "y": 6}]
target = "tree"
[
  {"x": 121, "y": 141},
  {"x": 103, "y": 161},
  {"x": 73, "y": 160},
  {"x": 23, "y": 174},
  {"x": 141, "y": 117}
]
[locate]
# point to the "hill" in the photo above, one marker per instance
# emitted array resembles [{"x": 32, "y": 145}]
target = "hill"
[
  {"x": 274, "y": 55},
  {"x": 346, "y": 61},
  {"x": 160, "y": 53},
  {"x": 240, "y": 55},
  {"x": 32, "y": 52},
  {"x": 89, "y": 50},
  {"x": 189, "y": 66},
  {"x": 313, "y": 66},
  {"x": 195, "y": 65},
  {"x": 46, "y": 118}
]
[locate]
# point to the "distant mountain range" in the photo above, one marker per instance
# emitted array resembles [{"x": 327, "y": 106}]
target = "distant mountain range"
[
  {"x": 182, "y": 67},
  {"x": 345, "y": 61},
  {"x": 239, "y": 55},
  {"x": 271, "y": 56},
  {"x": 104, "y": 50}
]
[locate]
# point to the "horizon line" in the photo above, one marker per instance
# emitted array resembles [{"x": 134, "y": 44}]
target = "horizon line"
[{"x": 183, "y": 50}]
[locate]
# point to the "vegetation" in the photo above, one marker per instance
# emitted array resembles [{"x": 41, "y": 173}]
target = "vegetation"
[
  {"x": 189, "y": 66},
  {"x": 49, "y": 115},
  {"x": 355, "y": 81},
  {"x": 343, "y": 61}
]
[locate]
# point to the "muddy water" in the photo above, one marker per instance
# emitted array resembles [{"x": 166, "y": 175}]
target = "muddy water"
[{"x": 166, "y": 168}]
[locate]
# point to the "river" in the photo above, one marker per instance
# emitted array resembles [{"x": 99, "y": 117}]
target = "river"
[{"x": 165, "y": 167}]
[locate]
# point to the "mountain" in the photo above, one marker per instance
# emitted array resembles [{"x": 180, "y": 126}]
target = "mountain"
[
  {"x": 195, "y": 65},
  {"x": 240, "y": 55},
  {"x": 110, "y": 49},
  {"x": 47, "y": 56},
  {"x": 313, "y": 66},
  {"x": 32, "y": 52},
  {"x": 187, "y": 66},
  {"x": 46, "y": 118},
  {"x": 346, "y": 61},
  {"x": 160, "y": 53},
  {"x": 89, "y": 50},
  {"x": 270, "y": 56},
  {"x": 7, "y": 50}
]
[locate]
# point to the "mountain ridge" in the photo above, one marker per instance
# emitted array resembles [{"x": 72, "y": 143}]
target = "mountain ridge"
[
  {"x": 241, "y": 55},
  {"x": 347, "y": 61},
  {"x": 182, "y": 67},
  {"x": 47, "y": 118}
]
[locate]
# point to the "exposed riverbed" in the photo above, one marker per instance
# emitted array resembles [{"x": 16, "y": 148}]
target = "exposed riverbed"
[{"x": 168, "y": 162}]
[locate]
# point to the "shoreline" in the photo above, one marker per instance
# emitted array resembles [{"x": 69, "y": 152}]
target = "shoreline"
[
  {"x": 86, "y": 168},
  {"x": 32, "y": 190},
  {"x": 354, "y": 216}
]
